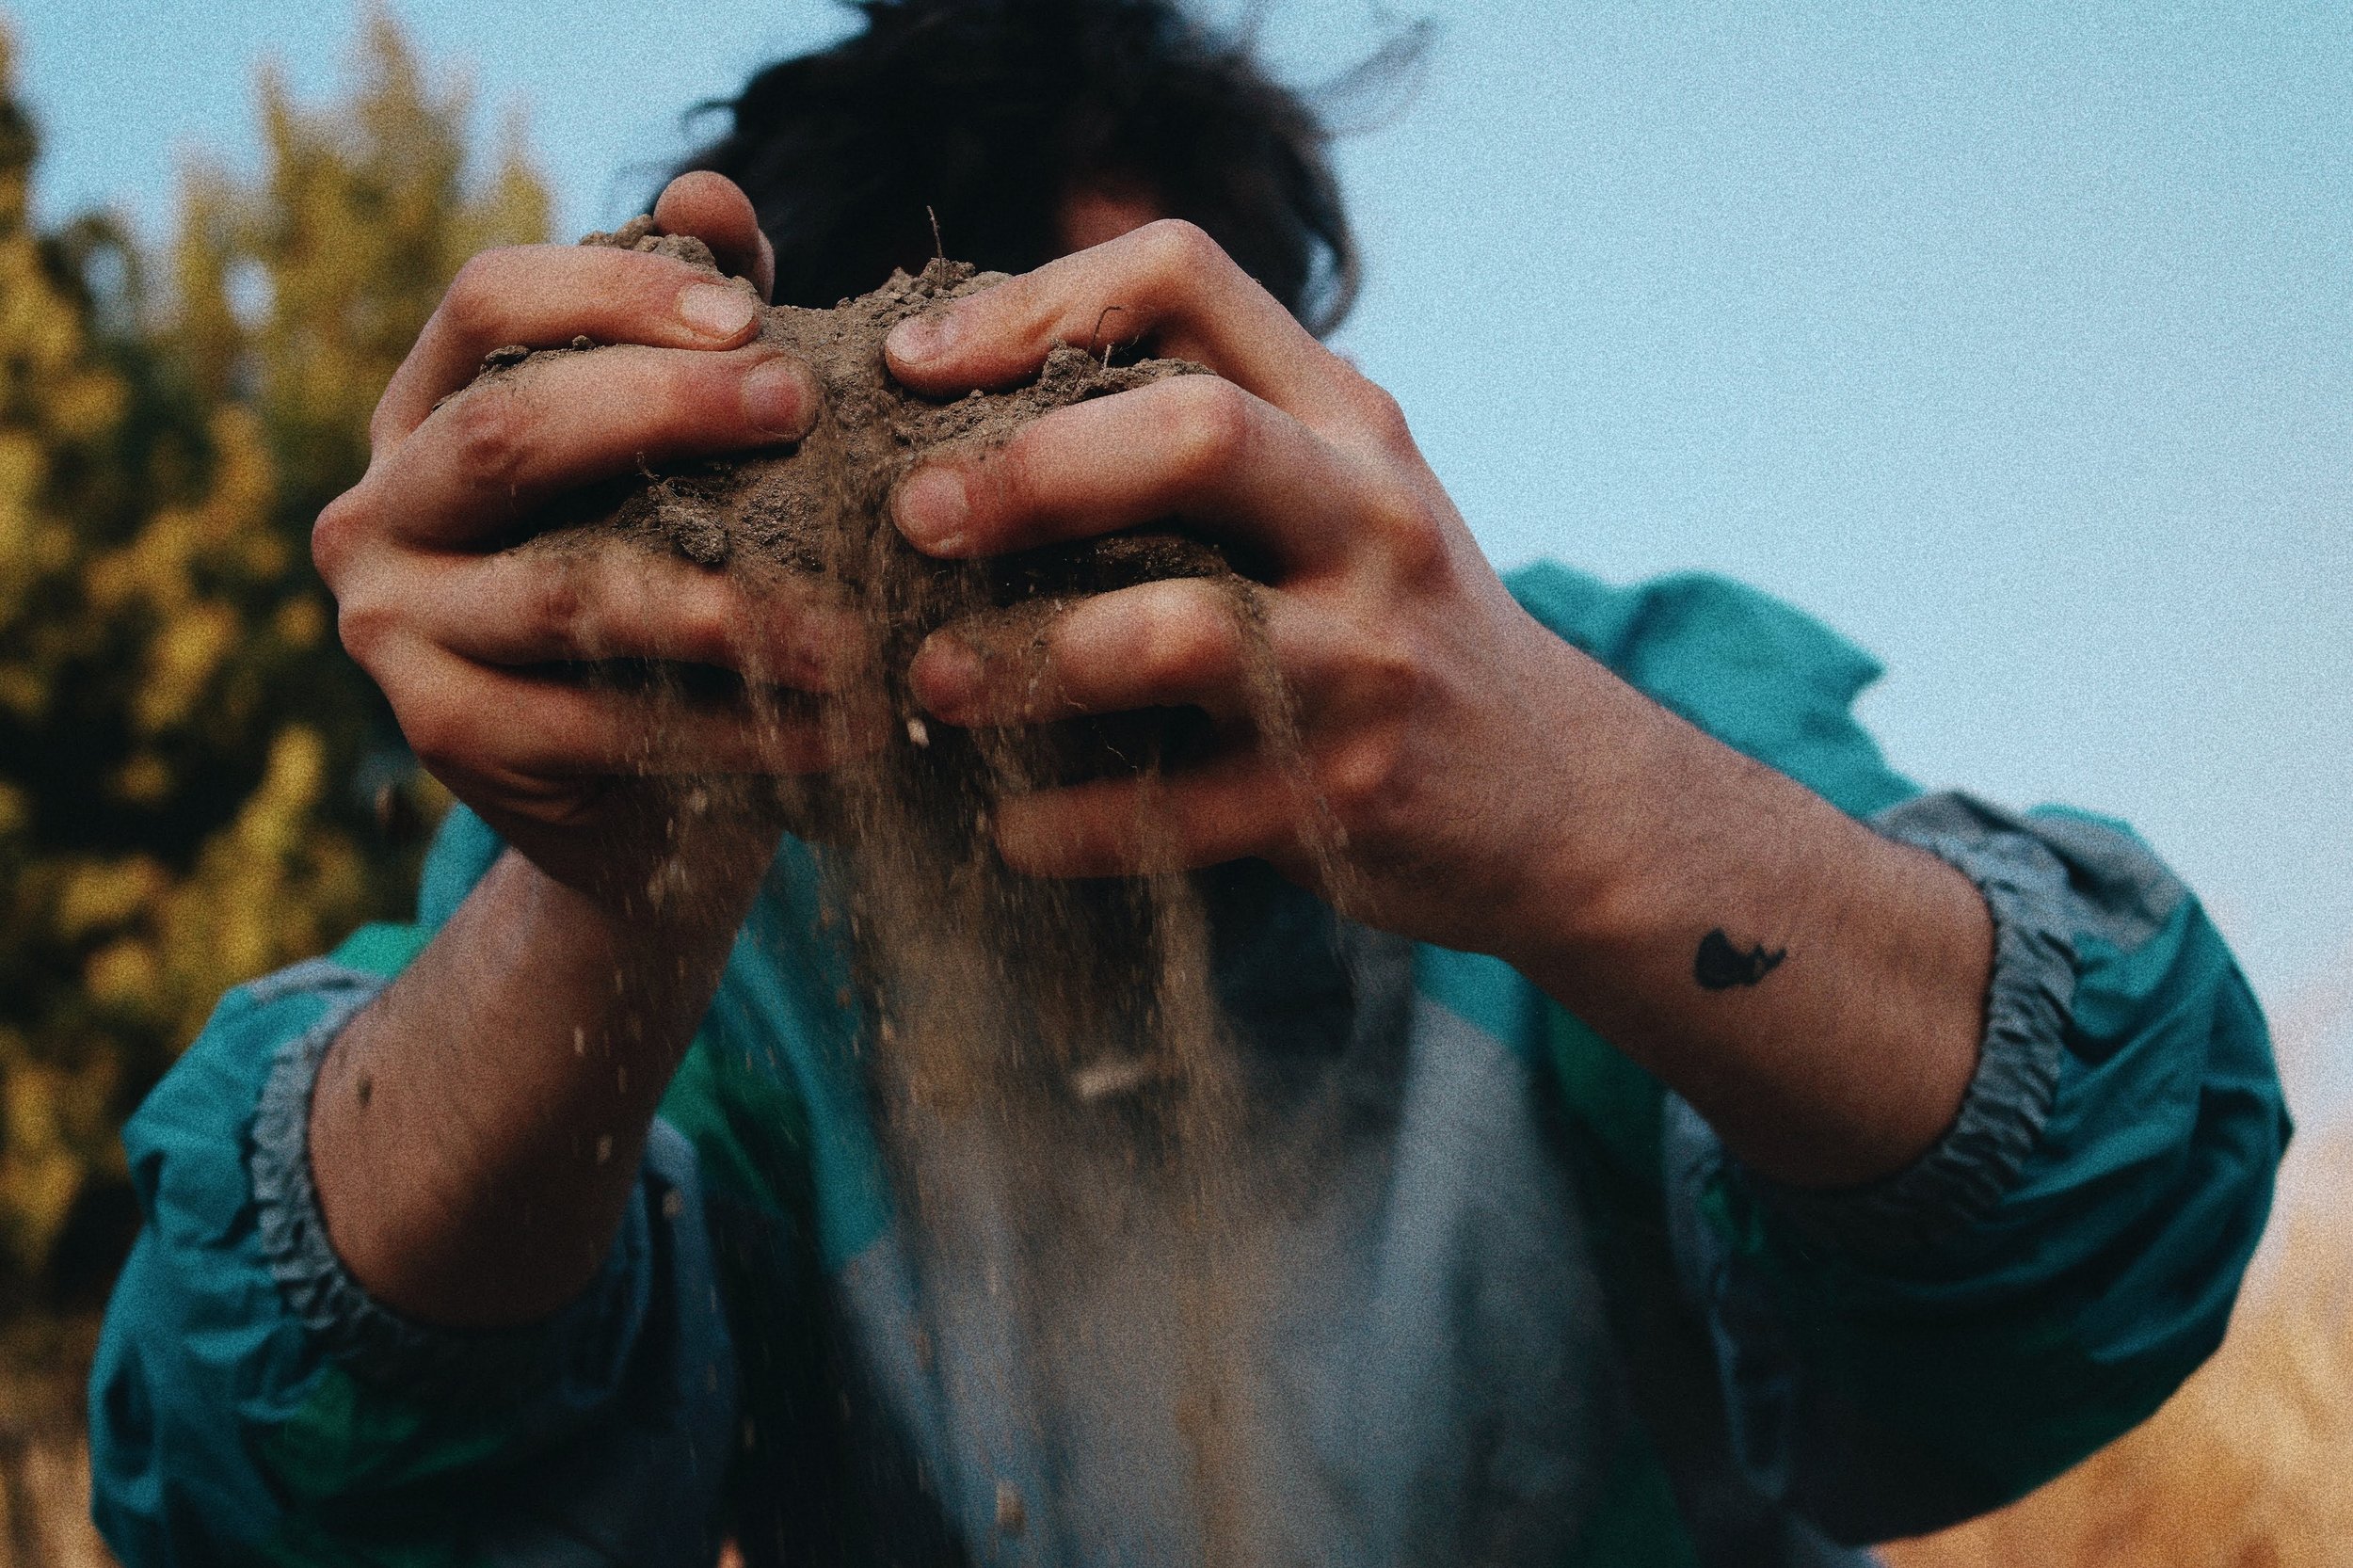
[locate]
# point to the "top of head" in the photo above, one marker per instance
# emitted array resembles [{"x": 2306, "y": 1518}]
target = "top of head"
[{"x": 1005, "y": 117}]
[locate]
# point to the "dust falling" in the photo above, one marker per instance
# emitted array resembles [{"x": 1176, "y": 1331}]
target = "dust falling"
[{"x": 1056, "y": 1089}]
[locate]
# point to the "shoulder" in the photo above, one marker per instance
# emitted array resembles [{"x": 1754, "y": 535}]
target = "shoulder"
[
  {"x": 1755, "y": 672},
  {"x": 1694, "y": 621}
]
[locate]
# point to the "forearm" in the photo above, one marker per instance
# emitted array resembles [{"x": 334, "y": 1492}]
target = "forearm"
[
  {"x": 1816, "y": 990},
  {"x": 475, "y": 1132}
]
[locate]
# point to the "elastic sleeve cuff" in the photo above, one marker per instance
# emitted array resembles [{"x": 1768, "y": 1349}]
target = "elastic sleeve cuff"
[
  {"x": 471, "y": 1367},
  {"x": 1960, "y": 1179}
]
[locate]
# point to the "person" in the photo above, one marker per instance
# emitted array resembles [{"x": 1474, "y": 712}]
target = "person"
[{"x": 1747, "y": 1155}]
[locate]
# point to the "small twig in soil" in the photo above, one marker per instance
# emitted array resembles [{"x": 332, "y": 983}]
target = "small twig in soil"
[
  {"x": 939, "y": 249},
  {"x": 1096, "y": 332}
]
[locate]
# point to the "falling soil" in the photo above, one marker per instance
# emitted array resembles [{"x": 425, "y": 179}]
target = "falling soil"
[{"x": 1056, "y": 1089}]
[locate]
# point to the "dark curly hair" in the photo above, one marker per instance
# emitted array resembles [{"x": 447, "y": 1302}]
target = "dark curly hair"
[{"x": 991, "y": 112}]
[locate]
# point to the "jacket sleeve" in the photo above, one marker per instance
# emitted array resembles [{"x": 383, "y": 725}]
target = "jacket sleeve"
[
  {"x": 1896, "y": 1357},
  {"x": 251, "y": 1402},
  {"x": 1899, "y": 1357}
]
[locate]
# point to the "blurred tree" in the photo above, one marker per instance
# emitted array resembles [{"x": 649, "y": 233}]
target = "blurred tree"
[{"x": 193, "y": 778}]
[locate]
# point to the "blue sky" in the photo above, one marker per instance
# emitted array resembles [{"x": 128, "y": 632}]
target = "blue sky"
[{"x": 2012, "y": 339}]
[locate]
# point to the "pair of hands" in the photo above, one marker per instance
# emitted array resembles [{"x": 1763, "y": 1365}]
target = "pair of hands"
[
  {"x": 1435, "y": 715},
  {"x": 1497, "y": 791}
]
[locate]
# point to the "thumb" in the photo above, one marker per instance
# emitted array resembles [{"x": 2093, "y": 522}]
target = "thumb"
[{"x": 715, "y": 210}]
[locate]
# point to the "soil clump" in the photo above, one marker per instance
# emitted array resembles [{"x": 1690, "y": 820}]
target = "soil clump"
[{"x": 820, "y": 506}]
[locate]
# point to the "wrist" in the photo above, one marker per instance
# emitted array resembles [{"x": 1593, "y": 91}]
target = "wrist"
[
  {"x": 1588, "y": 845},
  {"x": 475, "y": 1131},
  {"x": 650, "y": 943},
  {"x": 693, "y": 885}
]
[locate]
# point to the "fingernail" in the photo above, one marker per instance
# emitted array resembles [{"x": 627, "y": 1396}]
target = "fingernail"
[
  {"x": 946, "y": 676},
  {"x": 716, "y": 310},
  {"x": 933, "y": 509},
  {"x": 779, "y": 399},
  {"x": 929, "y": 336}
]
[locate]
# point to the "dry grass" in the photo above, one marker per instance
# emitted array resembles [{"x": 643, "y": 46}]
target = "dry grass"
[{"x": 45, "y": 1477}]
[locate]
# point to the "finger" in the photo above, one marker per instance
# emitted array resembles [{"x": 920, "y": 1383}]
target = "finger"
[
  {"x": 483, "y": 721},
  {"x": 1196, "y": 447},
  {"x": 1167, "y": 281},
  {"x": 490, "y": 455},
  {"x": 1182, "y": 643},
  {"x": 545, "y": 296},
  {"x": 1234, "y": 806},
  {"x": 715, "y": 210},
  {"x": 610, "y": 602}
]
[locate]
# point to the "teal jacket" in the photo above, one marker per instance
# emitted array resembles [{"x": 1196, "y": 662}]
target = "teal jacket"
[{"x": 1524, "y": 1308}]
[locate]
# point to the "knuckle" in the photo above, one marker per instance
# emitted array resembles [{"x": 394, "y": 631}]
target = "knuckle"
[
  {"x": 1409, "y": 532},
  {"x": 469, "y": 304},
  {"x": 1390, "y": 679},
  {"x": 336, "y": 534},
  {"x": 698, "y": 633},
  {"x": 1360, "y": 780},
  {"x": 384, "y": 431},
  {"x": 1418, "y": 546},
  {"x": 1190, "y": 643},
  {"x": 1364, "y": 774},
  {"x": 384, "y": 423},
  {"x": 1383, "y": 416},
  {"x": 558, "y": 610},
  {"x": 487, "y": 428},
  {"x": 364, "y": 624},
  {"x": 1175, "y": 247},
  {"x": 692, "y": 394},
  {"x": 701, "y": 625},
  {"x": 439, "y": 732},
  {"x": 1214, "y": 428}
]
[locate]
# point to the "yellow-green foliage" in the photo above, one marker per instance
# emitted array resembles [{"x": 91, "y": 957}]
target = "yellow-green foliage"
[{"x": 185, "y": 752}]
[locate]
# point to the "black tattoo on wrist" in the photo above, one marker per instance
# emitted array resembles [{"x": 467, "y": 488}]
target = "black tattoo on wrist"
[{"x": 1719, "y": 965}]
